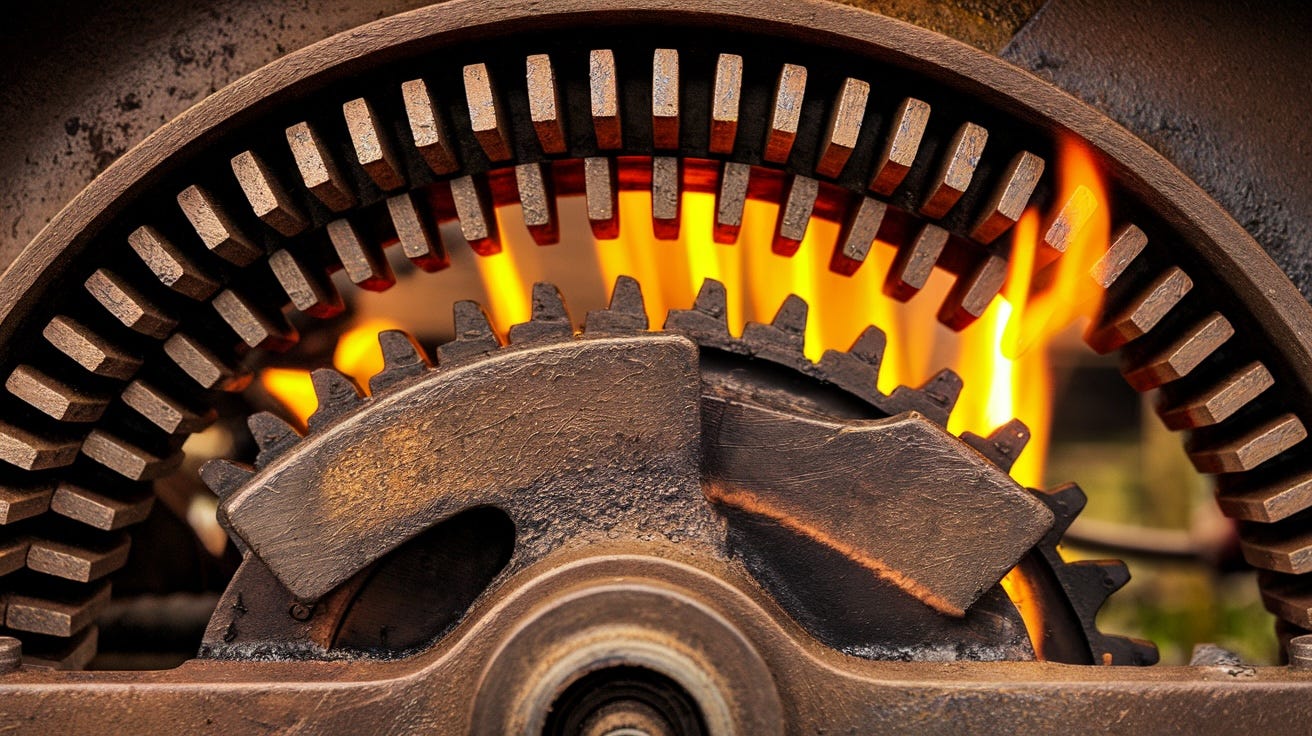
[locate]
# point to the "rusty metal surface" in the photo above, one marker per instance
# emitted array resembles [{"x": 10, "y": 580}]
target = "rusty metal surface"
[
  {"x": 751, "y": 663},
  {"x": 1213, "y": 249},
  {"x": 1231, "y": 125},
  {"x": 85, "y": 101},
  {"x": 79, "y": 103},
  {"x": 567, "y": 485},
  {"x": 843, "y": 484},
  {"x": 984, "y": 24},
  {"x": 543, "y": 433},
  {"x": 371, "y": 143}
]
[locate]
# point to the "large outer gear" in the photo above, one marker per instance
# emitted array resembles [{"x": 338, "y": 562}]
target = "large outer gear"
[
  {"x": 1071, "y": 592},
  {"x": 190, "y": 247}
]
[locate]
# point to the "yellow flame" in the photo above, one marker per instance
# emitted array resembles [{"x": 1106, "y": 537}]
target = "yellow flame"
[
  {"x": 758, "y": 280},
  {"x": 1058, "y": 290},
  {"x": 507, "y": 294},
  {"x": 292, "y": 388},
  {"x": 1020, "y": 589},
  {"x": 357, "y": 354},
  {"x": 999, "y": 386},
  {"x": 1002, "y": 357},
  {"x": 1004, "y": 377}
]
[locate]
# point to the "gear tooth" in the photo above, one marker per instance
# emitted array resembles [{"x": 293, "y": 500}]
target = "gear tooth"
[
  {"x": 1066, "y": 501},
  {"x": 550, "y": 320},
  {"x": 272, "y": 434},
  {"x": 1127, "y": 650},
  {"x": 627, "y": 312},
  {"x": 1014, "y": 432},
  {"x": 856, "y": 370},
  {"x": 472, "y": 323},
  {"x": 784, "y": 338},
  {"x": 402, "y": 358},
  {"x": 943, "y": 389},
  {"x": 712, "y": 299},
  {"x": 870, "y": 346},
  {"x": 708, "y": 320},
  {"x": 1089, "y": 583},
  {"x": 400, "y": 350},
  {"x": 627, "y": 297},
  {"x": 474, "y": 334},
  {"x": 935, "y": 398},
  {"x": 548, "y": 304},
  {"x": 854, "y": 375},
  {"x": 338, "y": 394},
  {"x": 224, "y": 477},
  {"x": 1004, "y": 445},
  {"x": 792, "y": 315},
  {"x": 1116, "y": 573}
]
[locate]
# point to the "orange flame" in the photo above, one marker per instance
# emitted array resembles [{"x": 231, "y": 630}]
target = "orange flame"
[
  {"x": 999, "y": 387},
  {"x": 357, "y": 354},
  {"x": 757, "y": 280},
  {"x": 1058, "y": 290},
  {"x": 507, "y": 294},
  {"x": 1020, "y": 589},
  {"x": 1004, "y": 356},
  {"x": 292, "y": 388},
  {"x": 1007, "y": 350}
]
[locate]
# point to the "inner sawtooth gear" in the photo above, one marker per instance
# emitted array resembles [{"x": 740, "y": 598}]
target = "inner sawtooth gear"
[{"x": 1072, "y": 592}]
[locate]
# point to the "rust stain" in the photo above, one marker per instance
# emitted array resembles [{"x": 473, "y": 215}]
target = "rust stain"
[
  {"x": 360, "y": 476},
  {"x": 749, "y": 503}
]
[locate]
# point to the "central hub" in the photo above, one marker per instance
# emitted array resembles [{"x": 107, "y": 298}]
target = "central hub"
[{"x": 630, "y": 645}]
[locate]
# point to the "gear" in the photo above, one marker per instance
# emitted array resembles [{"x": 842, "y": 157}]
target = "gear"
[
  {"x": 190, "y": 251},
  {"x": 326, "y": 581}
]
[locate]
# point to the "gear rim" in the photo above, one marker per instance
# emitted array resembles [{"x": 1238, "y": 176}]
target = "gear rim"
[{"x": 1278, "y": 311}]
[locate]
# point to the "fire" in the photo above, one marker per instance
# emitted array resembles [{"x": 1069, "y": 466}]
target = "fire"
[
  {"x": 757, "y": 280},
  {"x": 1021, "y": 591},
  {"x": 508, "y": 302},
  {"x": 1004, "y": 356},
  {"x": 292, "y": 388}
]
